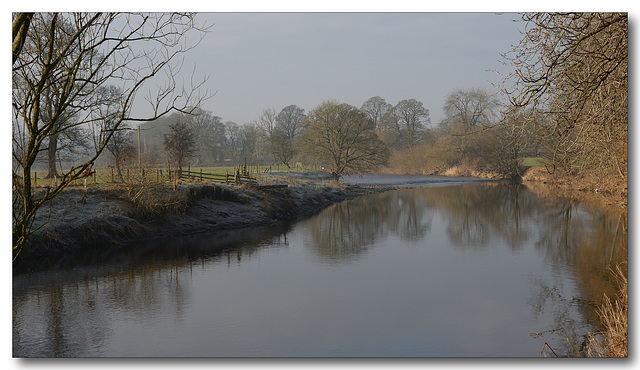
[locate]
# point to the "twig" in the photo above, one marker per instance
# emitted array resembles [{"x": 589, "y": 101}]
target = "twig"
[{"x": 551, "y": 349}]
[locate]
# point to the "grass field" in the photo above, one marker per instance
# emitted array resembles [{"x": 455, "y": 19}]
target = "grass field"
[
  {"x": 105, "y": 176},
  {"x": 532, "y": 161}
]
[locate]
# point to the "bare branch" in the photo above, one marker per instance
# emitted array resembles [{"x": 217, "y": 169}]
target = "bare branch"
[{"x": 62, "y": 63}]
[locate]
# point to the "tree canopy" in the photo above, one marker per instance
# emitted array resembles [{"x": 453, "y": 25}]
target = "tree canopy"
[{"x": 343, "y": 136}]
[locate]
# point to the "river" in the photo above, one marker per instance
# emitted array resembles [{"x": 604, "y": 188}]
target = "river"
[{"x": 462, "y": 269}]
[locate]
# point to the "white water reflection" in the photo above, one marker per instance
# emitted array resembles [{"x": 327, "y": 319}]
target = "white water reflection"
[{"x": 409, "y": 180}]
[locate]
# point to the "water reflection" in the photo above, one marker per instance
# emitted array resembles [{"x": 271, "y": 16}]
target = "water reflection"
[
  {"x": 544, "y": 263},
  {"x": 477, "y": 216},
  {"x": 480, "y": 217},
  {"x": 67, "y": 312},
  {"x": 346, "y": 230}
]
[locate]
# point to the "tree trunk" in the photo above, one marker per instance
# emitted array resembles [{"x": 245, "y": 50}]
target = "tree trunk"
[
  {"x": 53, "y": 148},
  {"x": 22, "y": 225}
]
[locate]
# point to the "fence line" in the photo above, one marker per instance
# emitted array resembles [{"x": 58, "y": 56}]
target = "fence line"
[
  {"x": 240, "y": 174},
  {"x": 233, "y": 175}
]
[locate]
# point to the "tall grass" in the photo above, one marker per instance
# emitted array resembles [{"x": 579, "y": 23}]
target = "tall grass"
[{"x": 613, "y": 315}]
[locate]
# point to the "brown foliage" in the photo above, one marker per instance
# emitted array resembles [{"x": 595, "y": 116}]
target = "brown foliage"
[
  {"x": 602, "y": 188},
  {"x": 614, "y": 316},
  {"x": 571, "y": 71}
]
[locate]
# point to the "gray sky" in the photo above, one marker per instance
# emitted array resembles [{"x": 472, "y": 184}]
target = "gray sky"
[{"x": 271, "y": 60}]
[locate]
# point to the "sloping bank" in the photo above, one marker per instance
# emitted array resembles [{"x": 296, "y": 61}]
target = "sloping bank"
[{"x": 78, "y": 222}]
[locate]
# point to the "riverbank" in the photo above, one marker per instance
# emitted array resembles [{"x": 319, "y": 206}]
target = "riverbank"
[
  {"x": 79, "y": 221},
  {"x": 604, "y": 193}
]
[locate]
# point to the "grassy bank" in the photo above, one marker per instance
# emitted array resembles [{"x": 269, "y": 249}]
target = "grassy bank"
[{"x": 102, "y": 217}]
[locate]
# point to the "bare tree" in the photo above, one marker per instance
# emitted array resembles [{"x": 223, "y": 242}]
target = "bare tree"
[
  {"x": 468, "y": 113},
  {"x": 405, "y": 124},
  {"x": 289, "y": 126},
  {"x": 343, "y": 136},
  {"x": 74, "y": 54},
  {"x": 266, "y": 125},
  {"x": 290, "y": 121},
  {"x": 210, "y": 136},
  {"x": 469, "y": 107},
  {"x": 572, "y": 68},
  {"x": 120, "y": 146},
  {"x": 234, "y": 141},
  {"x": 376, "y": 108},
  {"x": 413, "y": 115},
  {"x": 180, "y": 143},
  {"x": 267, "y": 121}
]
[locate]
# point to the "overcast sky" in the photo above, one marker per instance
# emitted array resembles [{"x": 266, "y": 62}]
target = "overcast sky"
[{"x": 271, "y": 60}]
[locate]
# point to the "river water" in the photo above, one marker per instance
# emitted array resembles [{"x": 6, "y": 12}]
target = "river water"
[{"x": 463, "y": 270}]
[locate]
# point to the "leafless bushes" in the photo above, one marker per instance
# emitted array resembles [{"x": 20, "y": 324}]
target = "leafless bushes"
[
  {"x": 569, "y": 85},
  {"x": 454, "y": 151}
]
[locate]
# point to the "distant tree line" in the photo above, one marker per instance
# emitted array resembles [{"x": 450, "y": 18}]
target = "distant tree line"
[
  {"x": 341, "y": 138},
  {"x": 467, "y": 141},
  {"x": 338, "y": 137}
]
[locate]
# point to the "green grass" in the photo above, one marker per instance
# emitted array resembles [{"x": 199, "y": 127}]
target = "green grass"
[
  {"x": 220, "y": 170},
  {"x": 106, "y": 176},
  {"x": 532, "y": 161}
]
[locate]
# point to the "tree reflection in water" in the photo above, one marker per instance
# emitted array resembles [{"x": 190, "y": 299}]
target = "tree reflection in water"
[
  {"x": 68, "y": 309},
  {"x": 481, "y": 217},
  {"x": 152, "y": 284},
  {"x": 346, "y": 230}
]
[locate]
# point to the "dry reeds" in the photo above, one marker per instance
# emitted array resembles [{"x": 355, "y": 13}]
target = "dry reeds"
[{"x": 613, "y": 315}]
